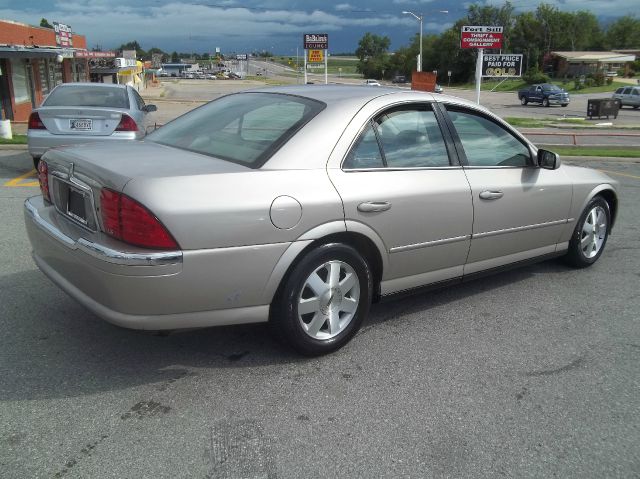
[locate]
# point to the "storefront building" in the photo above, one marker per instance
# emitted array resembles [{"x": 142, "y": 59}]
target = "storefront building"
[{"x": 33, "y": 60}]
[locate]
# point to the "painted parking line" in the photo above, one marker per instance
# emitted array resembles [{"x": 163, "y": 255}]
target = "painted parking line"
[
  {"x": 23, "y": 180},
  {"x": 620, "y": 174}
]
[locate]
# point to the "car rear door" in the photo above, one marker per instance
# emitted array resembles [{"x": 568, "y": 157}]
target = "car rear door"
[
  {"x": 398, "y": 181},
  {"x": 520, "y": 210}
]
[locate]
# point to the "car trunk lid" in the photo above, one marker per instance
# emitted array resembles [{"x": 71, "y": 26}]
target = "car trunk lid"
[{"x": 88, "y": 121}]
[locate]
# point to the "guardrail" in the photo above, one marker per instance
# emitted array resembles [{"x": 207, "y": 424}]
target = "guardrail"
[{"x": 575, "y": 136}]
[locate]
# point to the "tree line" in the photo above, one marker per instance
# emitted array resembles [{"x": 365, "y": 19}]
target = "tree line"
[{"x": 534, "y": 34}]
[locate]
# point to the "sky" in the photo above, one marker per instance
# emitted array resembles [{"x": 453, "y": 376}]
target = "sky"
[{"x": 237, "y": 26}]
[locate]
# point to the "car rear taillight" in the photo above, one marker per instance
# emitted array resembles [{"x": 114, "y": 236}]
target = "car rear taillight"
[
  {"x": 43, "y": 179},
  {"x": 35, "y": 123},
  {"x": 127, "y": 124},
  {"x": 127, "y": 220}
]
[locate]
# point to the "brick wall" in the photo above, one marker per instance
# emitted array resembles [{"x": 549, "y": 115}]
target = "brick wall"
[{"x": 14, "y": 33}]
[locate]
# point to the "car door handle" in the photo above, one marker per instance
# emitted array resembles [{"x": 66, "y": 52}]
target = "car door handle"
[
  {"x": 373, "y": 206},
  {"x": 491, "y": 195}
]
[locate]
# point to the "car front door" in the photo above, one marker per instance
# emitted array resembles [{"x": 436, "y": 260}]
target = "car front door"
[
  {"x": 397, "y": 181},
  {"x": 519, "y": 209}
]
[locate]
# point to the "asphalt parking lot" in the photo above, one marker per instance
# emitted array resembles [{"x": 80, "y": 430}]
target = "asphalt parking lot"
[{"x": 530, "y": 373}]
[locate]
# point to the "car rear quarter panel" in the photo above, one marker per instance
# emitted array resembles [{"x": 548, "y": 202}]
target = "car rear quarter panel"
[{"x": 235, "y": 209}]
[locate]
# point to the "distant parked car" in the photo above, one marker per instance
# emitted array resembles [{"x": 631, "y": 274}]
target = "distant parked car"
[
  {"x": 545, "y": 93},
  {"x": 399, "y": 79},
  {"x": 86, "y": 112},
  {"x": 628, "y": 96},
  {"x": 438, "y": 89},
  {"x": 372, "y": 82}
]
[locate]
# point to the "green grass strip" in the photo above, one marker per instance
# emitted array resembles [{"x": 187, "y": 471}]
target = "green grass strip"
[
  {"x": 596, "y": 151},
  {"x": 16, "y": 140}
]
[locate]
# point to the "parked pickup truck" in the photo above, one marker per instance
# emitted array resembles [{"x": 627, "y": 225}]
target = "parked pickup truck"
[{"x": 544, "y": 93}]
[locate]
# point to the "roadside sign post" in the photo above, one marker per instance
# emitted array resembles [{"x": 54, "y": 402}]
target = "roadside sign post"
[
  {"x": 449, "y": 75},
  {"x": 316, "y": 46},
  {"x": 479, "y": 74},
  {"x": 480, "y": 37}
]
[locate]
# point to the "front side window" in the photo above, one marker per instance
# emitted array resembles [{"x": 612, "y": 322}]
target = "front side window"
[
  {"x": 486, "y": 143},
  {"x": 244, "y": 128},
  {"x": 409, "y": 138}
]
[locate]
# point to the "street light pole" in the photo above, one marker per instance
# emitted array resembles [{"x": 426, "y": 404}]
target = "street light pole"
[{"x": 420, "y": 18}]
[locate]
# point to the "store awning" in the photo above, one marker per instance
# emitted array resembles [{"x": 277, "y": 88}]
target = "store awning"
[{"x": 24, "y": 52}]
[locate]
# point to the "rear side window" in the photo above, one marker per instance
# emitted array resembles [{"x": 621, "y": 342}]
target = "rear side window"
[
  {"x": 635, "y": 92},
  {"x": 244, "y": 128},
  {"x": 92, "y": 96},
  {"x": 409, "y": 137}
]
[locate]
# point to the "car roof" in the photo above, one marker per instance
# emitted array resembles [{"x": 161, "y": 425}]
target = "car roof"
[{"x": 92, "y": 84}]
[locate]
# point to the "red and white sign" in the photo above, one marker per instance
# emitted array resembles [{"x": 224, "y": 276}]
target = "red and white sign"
[
  {"x": 88, "y": 54},
  {"x": 481, "y": 37}
]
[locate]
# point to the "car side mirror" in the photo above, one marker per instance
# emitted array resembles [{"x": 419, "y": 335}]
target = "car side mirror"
[
  {"x": 150, "y": 108},
  {"x": 548, "y": 160}
]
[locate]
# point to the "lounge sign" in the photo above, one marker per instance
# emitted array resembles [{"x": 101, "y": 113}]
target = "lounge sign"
[
  {"x": 502, "y": 65},
  {"x": 316, "y": 41},
  {"x": 481, "y": 37}
]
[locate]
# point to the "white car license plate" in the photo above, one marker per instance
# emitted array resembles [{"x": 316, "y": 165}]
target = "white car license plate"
[{"x": 81, "y": 124}]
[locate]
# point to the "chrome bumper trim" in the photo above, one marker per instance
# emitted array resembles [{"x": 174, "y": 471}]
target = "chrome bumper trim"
[{"x": 101, "y": 252}]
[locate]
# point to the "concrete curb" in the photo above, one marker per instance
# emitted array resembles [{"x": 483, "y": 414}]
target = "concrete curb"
[{"x": 13, "y": 147}]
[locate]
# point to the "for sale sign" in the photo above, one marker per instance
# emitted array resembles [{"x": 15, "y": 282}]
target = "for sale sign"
[
  {"x": 481, "y": 37},
  {"x": 316, "y": 41},
  {"x": 502, "y": 65}
]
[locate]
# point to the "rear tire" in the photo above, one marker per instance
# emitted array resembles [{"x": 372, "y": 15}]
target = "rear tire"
[
  {"x": 323, "y": 300},
  {"x": 590, "y": 235},
  {"x": 545, "y": 102},
  {"x": 524, "y": 101}
]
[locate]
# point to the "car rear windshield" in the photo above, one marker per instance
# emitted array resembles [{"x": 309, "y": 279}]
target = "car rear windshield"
[
  {"x": 81, "y": 95},
  {"x": 244, "y": 128}
]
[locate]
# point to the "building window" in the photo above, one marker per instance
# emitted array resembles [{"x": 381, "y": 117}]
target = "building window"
[
  {"x": 44, "y": 77},
  {"x": 20, "y": 80},
  {"x": 79, "y": 71}
]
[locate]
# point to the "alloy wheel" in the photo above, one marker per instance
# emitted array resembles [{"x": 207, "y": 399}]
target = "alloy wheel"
[
  {"x": 594, "y": 232},
  {"x": 328, "y": 300}
]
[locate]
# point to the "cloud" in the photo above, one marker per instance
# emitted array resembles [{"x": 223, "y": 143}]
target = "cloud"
[{"x": 341, "y": 7}]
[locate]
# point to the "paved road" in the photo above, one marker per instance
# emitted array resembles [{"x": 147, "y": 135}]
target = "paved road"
[{"x": 531, "y": 373}]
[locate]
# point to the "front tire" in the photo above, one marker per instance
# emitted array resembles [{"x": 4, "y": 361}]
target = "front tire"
[
  {"x": 323, "y": 300},
  {"x": 524, "y": 101},
  {"x": 545, "y": 102},
  {"x": 591, "y": 233}
]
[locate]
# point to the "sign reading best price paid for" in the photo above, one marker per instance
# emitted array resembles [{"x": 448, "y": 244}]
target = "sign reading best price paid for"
[{"x": 481, "y": 37}]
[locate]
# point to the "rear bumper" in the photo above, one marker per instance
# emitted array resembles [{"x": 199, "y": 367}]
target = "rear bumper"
[
  {"x": 39, "y": 141},
  {"x": 148, "y": 289}
]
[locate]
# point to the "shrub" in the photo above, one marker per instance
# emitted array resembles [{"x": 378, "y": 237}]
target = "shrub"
[
  {"x": 598, "y": 79},
  {"x": 534, "y": 75}
]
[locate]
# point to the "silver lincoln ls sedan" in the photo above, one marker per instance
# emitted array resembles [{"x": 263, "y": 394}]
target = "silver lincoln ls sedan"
[{"x": 302, "y": 205}]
